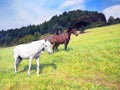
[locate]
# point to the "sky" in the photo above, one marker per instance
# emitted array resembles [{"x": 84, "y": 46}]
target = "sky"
[{"x": 19, "y": 13}]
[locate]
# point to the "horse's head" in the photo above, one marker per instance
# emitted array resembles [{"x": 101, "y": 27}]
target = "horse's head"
[
  {"x": 73, "y": 31},
  {"x": 48, "y": 46}
]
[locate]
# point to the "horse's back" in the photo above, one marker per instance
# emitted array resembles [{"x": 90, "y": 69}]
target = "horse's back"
[
  {"x": 22, "y": 50},
  {"x": 62, "y": 38},
  {"x": 30, "y": 45},
  {"x": 59, "y": 39},
  {"x": 26, "y": 50}
]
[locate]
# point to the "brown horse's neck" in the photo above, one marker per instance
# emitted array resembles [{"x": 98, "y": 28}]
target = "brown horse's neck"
[{"x": 68, "y": 33}]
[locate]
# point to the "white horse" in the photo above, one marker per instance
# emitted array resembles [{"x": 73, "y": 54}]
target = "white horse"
[{"x": 31, "y": 50}]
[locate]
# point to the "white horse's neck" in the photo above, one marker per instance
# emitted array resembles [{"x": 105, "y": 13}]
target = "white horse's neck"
[{"x": 39, "y": 44}]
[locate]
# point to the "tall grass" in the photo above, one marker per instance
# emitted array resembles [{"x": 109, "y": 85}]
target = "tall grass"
[{"x": 92, "y": 62}]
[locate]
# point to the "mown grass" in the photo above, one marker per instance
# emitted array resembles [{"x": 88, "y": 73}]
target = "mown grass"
[{"x": 92, "y": 62}]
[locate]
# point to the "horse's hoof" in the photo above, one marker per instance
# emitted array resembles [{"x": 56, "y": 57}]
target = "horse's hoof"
[
  {"x": 28, "y": 75},
  {"x": 38, "y": 74},
  {"x": 15, "y": 72}
]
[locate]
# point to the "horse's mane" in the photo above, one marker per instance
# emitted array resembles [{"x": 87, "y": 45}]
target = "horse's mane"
[
  {"x": 71, "y": 26},
  {"x": 70, "y": 29}
]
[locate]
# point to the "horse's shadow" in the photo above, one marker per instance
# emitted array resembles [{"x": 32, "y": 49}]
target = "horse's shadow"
[
  {"x": 62, "y": 49},
  {"x": 42, "y": 66},
  {"x": 68, "y": 49}
]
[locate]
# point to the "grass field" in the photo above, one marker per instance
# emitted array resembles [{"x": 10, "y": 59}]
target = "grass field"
[{"x": 92, "y": 62}]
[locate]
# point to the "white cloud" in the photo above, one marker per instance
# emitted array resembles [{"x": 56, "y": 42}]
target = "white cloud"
[
  {"x": 68, "y": 3},
  {"x": 112, "y": 11},
  {"x": 26, "y": 13},
  {"x": 33, "y": 13},
  {"x": 78, "y": 7}
]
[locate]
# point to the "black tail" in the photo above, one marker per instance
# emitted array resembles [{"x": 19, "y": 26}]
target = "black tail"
[{"x": 19, "y": 59}]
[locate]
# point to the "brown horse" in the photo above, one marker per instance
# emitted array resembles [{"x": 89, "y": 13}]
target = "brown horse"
[{"x": 64, "y": 38}]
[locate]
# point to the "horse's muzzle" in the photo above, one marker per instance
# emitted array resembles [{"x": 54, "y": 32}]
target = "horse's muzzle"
[
  {"x": 76, "y": 34},
  {"x": 49, "y": 52}
]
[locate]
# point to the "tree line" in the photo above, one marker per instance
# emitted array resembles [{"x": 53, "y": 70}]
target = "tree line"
[{"x": 78, "y": 19}]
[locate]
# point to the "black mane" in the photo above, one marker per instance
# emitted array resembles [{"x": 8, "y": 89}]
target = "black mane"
[{"x": 70, "y": 29}]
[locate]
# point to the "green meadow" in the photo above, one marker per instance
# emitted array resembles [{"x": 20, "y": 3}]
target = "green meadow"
[{"x": 92, "y": 62}]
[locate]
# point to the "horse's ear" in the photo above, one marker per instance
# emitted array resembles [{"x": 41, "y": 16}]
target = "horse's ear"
[
  {"x": 45, "y": 40},
  {"x": 48, "y": 39}
]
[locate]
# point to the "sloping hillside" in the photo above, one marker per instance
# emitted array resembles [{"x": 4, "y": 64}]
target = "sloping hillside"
[{"x": 92, "y": 62}]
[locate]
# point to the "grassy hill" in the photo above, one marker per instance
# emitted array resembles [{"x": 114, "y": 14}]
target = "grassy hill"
[{"x": 92, "y": 62}]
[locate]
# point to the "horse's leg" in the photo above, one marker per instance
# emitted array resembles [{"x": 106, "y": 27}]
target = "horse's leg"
[
  {"x": 30, "y": 62},
  {"x": 53, "y": 47},
  {"x": 57, "y": 47},
  {"x": 15, "y": 66},
  {"x": 19, "y": 59},
  {"x": 16, "y": 57},
  {"x": 38, "y": 65},
  {"x": 66, "y": 44}
]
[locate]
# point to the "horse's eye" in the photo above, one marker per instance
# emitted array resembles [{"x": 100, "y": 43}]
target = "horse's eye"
[{"x": 45, "y": 45}]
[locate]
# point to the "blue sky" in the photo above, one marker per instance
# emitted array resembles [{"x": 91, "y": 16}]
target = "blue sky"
[{"x": 18, "y": 13}]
